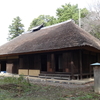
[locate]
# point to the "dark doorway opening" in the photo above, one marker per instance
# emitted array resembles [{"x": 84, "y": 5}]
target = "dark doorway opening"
[
  {"x": 58, "y": 59},
  {"x": 3, "y": 65},
  {"x": 43, "y": 62}
]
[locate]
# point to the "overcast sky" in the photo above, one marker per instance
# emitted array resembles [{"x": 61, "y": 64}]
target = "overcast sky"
[{"x": 27, "y": 10}]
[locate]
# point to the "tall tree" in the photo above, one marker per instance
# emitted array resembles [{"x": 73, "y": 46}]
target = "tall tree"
[
  {"x": 46, "y": 19},
  {"x": 16, "y": 28},
  {"x": 68, "y": 11}
]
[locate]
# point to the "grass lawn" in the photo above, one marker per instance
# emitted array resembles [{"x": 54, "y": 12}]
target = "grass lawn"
[{"x": 12, "y": 88}]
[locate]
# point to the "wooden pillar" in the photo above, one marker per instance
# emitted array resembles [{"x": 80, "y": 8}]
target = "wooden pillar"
[
  {"x": 37, "y": 62},
  {"x": 0, "y": 66},
  {"x": 64, "y": 61},
  {"x": 49, "y": 68},
  {"x": 72, "y": 65},
  {"x": 53, "y": 62},
  {"x": 20, "y": 63},
  {"x": 72, "y": 69},
  {"x": 27, "y": 57},
  {"x": 80, "y": 53},
  {"x": 24, "y": 63},
  {"x": 90, "y": 69},
  {"x": 98, "y": 56}
]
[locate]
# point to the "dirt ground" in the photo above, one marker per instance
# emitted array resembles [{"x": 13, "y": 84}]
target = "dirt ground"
[
  {"x": 20, "y": 89},
  {"x": 66, "y": 85}
]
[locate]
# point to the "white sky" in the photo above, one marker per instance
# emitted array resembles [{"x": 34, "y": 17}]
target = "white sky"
[{"x": 27, "y": 10}]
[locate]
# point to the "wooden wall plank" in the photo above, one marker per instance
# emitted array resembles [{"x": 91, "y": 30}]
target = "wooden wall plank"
[
  {"x": 49, "y": 67},
  {"x": 53, "y": 62},
  {"x": 37, "y": 62},
  {"x": 81, "y": 64}
]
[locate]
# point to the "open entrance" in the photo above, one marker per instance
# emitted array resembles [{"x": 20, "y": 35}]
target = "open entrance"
[
  {"x": 58, "y": 59},
  {"x": 43, "y": 62},
  {"x": 3, "y": 65}
]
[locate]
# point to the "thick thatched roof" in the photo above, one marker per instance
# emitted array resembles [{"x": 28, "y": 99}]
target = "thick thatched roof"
[{"x": 59, "y": 36}]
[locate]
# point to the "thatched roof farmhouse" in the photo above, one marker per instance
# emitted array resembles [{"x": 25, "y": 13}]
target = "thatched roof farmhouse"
[{"x": 62, "y": 48}]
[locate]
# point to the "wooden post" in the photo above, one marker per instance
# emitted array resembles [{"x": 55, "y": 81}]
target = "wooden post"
[
  {"x": 49, "y": 63},
  {"x": 64, "y": 61},
  {"x": 72, "y": 70},
  {"x": 0, "y": 67},
  {"x": 37, "y": 62},
  {"x": 80, "y": 64},
  {"x": 53, "y": 62},
  {"x": 90, "y": 69},
  {"x": 20, "y": 63},
  {"x": 98, "y": 56},
  {"x": 28, "y": 63}
]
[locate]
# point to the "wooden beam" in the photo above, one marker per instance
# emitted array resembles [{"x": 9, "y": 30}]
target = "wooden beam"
[
  {"x": 3, "y": 58},
  {"x": 12, "y": 57}
]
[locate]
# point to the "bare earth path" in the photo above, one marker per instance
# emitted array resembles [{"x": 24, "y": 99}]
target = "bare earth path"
[{"x": 66, "y": 85}]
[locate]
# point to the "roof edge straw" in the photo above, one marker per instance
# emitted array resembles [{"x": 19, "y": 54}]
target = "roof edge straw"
[{"x": 62, "y": 36}]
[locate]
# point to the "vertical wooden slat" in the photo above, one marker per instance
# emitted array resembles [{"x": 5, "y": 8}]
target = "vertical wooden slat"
[
  {"x": 98, "y": 56},
  {"x": 72, "y": 64},
  {"x": 72, "y": 70},
  {"x": 49, "y": 62},
  {"x": 27, "y": 58},
  {"x": 53, "y": 62},
  {"x": 80, "y": 64},
  {"x": 64, "y": 62},
  {"x": 0, "y": 67},
  {"x": 15, "y": 66},
  {"x": 9, "y": 68},
  {"x": 31, "y": 61},
  {"x": 37, "y": 62},
  {"x": 3, "y": 66},
  {"x": 76, "y": 61},
  {"x": 90, "y": 69},
  {"x": 20, "y": 62}
]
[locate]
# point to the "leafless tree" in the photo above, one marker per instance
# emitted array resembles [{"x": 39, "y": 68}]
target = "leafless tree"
[{"x": 91, "y": 23}]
